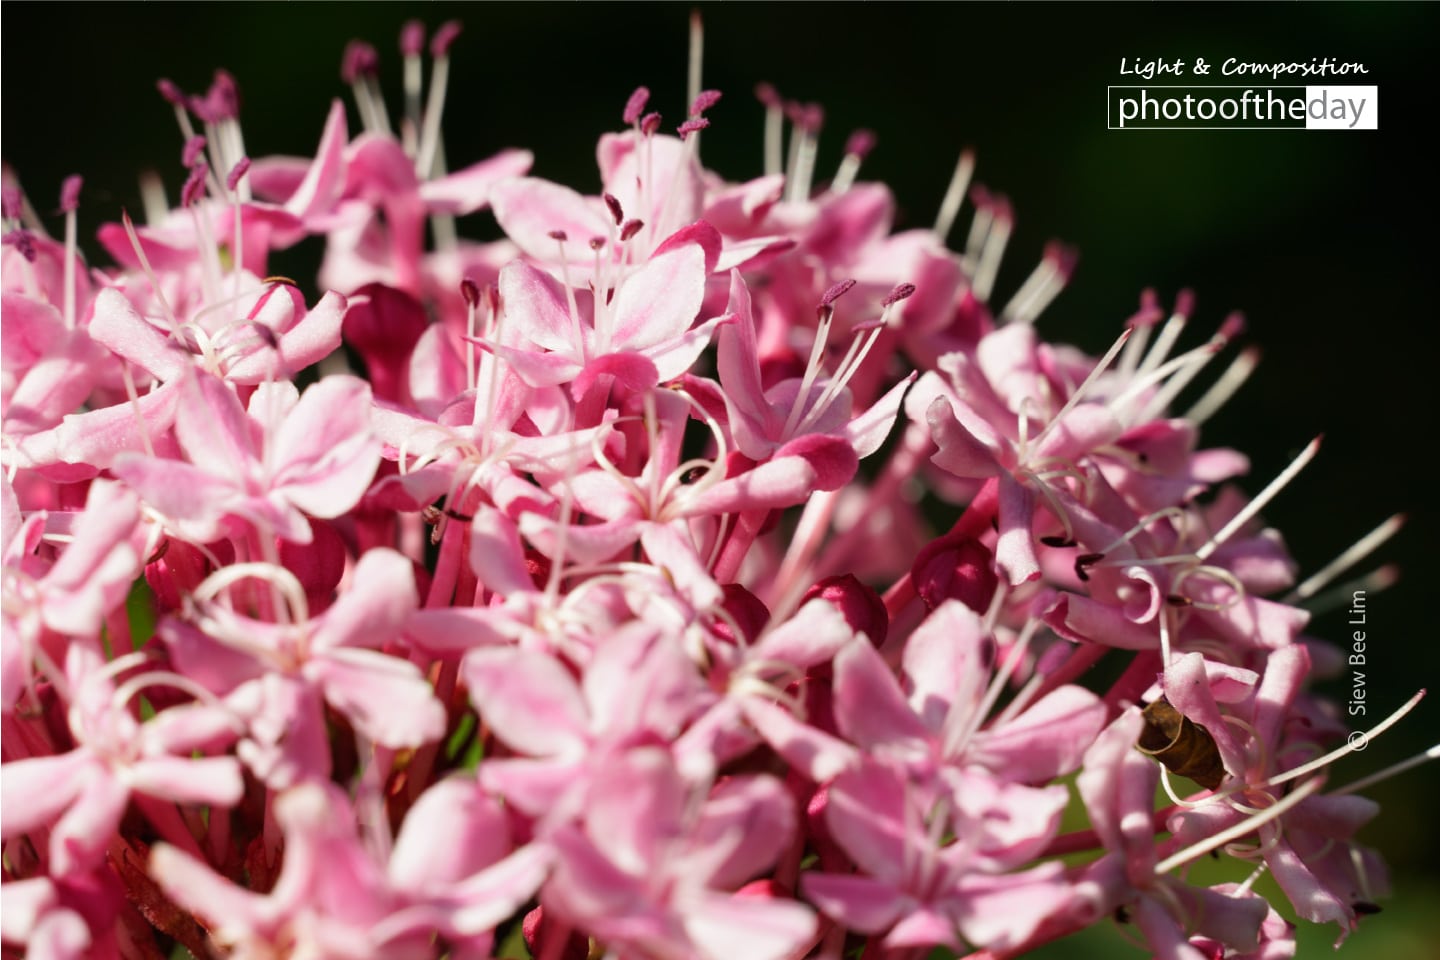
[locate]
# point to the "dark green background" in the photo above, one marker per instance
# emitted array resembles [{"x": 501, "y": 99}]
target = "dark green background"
[{"x": 1325, "y": 239}]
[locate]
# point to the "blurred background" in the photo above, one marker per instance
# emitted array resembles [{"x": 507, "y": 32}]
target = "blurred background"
[{"x": 1326, "y": 240}]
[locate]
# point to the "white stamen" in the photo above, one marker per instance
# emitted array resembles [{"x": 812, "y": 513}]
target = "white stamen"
[
  {"x": 1134, "y": 350},
  {"x": 1382, "y": 578},
  {"x": 694, "y": 67},
  {"x": 1224, "y": 388},
  {"x": 1241, "y": 829},
  {"x": 1162, "y": 398},
  {"x": 1085, "y": 385},
  {"x": 774, "y": 137},
  {"x": 409, "y": 131},
  {"x": 434, "y": 108},
  {"x": 1363, "y": 737},
  {"x": 277, "y": 576},
  {"x": 979, "y": 230},
  {"x": 1169, "y": 333},
  {"x": 804, "y": 167},
  {"x": 1264, "y": 497},
  {"x": 1356, "y": 552},
  {"x": 954, "y": 194},
  {"x": 812, "y": 368},
  {"x": 845, "y": 174},
  {"x": 377, "y": 104},
  {"x": 1424, "y": 756},
  {"x": 988, "y": 265},
  {"x": 152, "y": 198},
  {"x": 70, "y": 253}
]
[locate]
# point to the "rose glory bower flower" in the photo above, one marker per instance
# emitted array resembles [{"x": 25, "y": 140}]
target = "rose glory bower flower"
[{"x": 575, "y": 593}]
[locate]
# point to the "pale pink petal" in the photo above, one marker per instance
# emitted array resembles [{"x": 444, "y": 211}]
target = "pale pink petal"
[
  {"x": 870, "y": 709},
  {"x": 83, "y": 833},
  {"x": 813, "y": 635},
  {"x": 530, "y": 210},
  {"x": 529, "y": 700},
  {"x": 634, "y": 809},
  {"x": 820, "y": 756},
  {"x": 386, "y": 699},
  {"x": 35, "y": 791},
  {"x": 745, "y": 824},
  {"x": 234, "y": 911},
  {"x": 309, "y": 341},
  {"x": 214, "y": 430},
  {"x": 487, "y": 898},
  {"x": 537, "y": 309},
  {"x": 324, "y": 179},
  {"x": 453, "y": 831},
  {"x": 723, "y": 928},
  {"x": 377, "y": 605},
  {"x": 210, "y": 780},
  {"x": 1047, "y": 740},
  {"x": 859, "y": 902},
  {"x": 468, "y": 190},
  {"x": 661, "y": 300},
  {"x": 324, "y": 454}
]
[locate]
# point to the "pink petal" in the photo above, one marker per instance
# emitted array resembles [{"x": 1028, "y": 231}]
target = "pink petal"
[
  {"x": 529, "y": 210},
  {"x": 723, "y": 928},
  {"x": 324, "y": 180},
  {"x": 35, "y": 791},
  {"x": 386, "y": 699},
  {"x": 529, "y": 700},
  {"x": 1047, "y": 740},
  {"x": 235, "y": 913},
  {"x": 453, "y": 831},
  {"x": 118, "y": 325},
  {"x": 536, "y": 309},
  {"x": 214, "y": 430},
  {"x": 859, "y": 902},
  {"x": 324, "y": 454},
  {"x": 83, "y": 833},
  {"x": 634, "y": 809},
  {"x": 309, "y": 341},
  {"x": 468, "y": 190},
  {"x": 661, "y": 300},
  {"x": 743, "y": 827},
  {"x": 210, "y": 780},
  {"x": 869, "y": 707},
  {"x": 375, "y": 608},
  {"x": 820, "y": 756}
]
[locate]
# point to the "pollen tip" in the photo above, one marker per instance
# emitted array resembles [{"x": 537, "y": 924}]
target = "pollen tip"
[
  {"x": 1233, "y": 326},
  {"x": 70, "y": 193},
  {"x": 232, "y": 179},
  {"x": 693, "y": 125},
  {"x": 172, "y": 94},
  {"x": 981, "y": 197},
  {"x": 635, "y": 106},
  {"x": 901, "y": 292},
  {"x": 630, "y": 228},
  {"x": 703, "y": 102},
  {"x": 767, "y": 94},
  {"x": 558, "y": 235},
  {"x": 412, "y": 38},
  {"x": 1062, "y": 257},
  {"x": 470, "y": 290},
  {"x": 194, "y": 187},
  {"x": 835, "y": 292},
  {"x": 613, "y": 205},
  {"x": 1185, "y": 303},
  {"x": 649, "y": 123},
  {"x": 860, "y": 143},
  {"x": 444, "y": 37},
  {"x": 192, "y": 151},
  {"x": 597, "y": 243},
  {"x": 223, "y": 97},
  {"x": 11, "y": 202},
  {"x": 359, "y": 60}
]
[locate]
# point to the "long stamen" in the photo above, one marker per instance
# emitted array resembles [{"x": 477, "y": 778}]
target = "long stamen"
[
  {"x": 412, "y": 43},
  {"x": 1351, "y": 745},
  {"x": 859, "y": 145},
  {"x": 1265, "y": 496},
  {"x": 576, "y": 329},
  {"x": 1424, "y": 756},
  {"x": 1143, "y": 323},
  {"x": 1042, "y": 286},
  {"x": 987, "y": 265},
  {"x": 1224, "y": 388},
  {"x": 1169, "y": 333},
  {"x": 955, "y": 194},
  {"x": 774, "y": 129},
  {"x": 145, "y": 267},
  {"x": 1241, "y": 829},
  {"x": 817, "y": 352},
  {"x": 1356, "y": 552},
  {"x": 1079, "y": 393},
  {"x": 435, "y": 103},
  {"x": 69, "y": 202},
  {"x": 695, "y": 65},
  {"x": 1342, "y": 595},
  {"x": 1198, "y": 359}
]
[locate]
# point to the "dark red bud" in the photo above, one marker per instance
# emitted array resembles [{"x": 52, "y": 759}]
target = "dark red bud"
[
  {"x": 947, "y": 569},
  {"x": 863, "y": 608}
]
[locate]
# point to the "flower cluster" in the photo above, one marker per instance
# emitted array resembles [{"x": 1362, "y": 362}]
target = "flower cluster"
[{"x": 534, "y": 588}]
